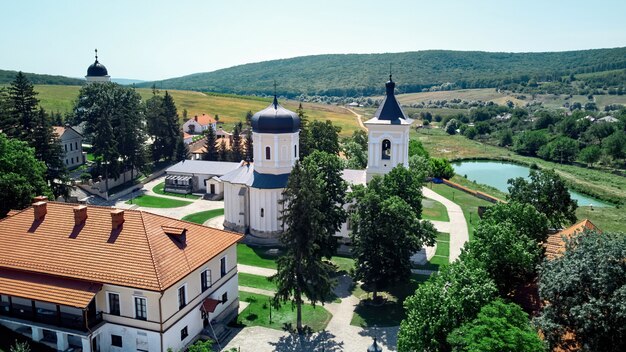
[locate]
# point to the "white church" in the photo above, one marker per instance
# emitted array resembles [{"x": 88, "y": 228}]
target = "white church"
[{"x": 252, "y": 191}]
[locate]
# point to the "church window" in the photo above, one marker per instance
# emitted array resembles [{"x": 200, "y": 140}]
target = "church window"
[
  {"x": 268, "y": 153},
  {"x": 262, "y": 212},
  {"x": 386, "y": 149},
  {"x": 295, "y": 150}
]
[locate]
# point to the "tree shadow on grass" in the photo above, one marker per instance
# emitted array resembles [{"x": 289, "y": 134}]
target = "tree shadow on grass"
[{"x": 307, "y": 342}]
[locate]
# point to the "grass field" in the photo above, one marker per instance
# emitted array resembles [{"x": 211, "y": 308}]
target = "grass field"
[
  {"x": 258, "y": 314},
  {"x": 255, "y": 257},
  {"x": 256, "y": 281},
  {"x": 607, "y": 219},
  {"x": 231, "y": 109},
  {"x": 390, "y": 313},
  {"x": 157, "y": 202},
  {"x": 433, "y": 210},
  {"x": 158, "y": 189},
  {"x": 203, "y": 216},
  {"x": 483, "y": 94}
]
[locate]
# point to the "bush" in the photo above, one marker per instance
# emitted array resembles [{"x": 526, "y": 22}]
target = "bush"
[{"x": 441, "y": 168}]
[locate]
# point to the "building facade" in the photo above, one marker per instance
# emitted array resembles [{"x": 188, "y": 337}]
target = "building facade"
[
  {"x": 199, "y": 124},
  {"x": 72, "y": 144},
  {"x": 104, "y": 279}
]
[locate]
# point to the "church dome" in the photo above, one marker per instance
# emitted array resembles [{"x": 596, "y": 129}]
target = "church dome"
[
  {"x": 275, "y": 119},
  {"x": 97, "y": 69}
]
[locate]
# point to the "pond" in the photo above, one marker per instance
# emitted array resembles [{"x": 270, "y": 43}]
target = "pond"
[{"x": 496, "y": 174}]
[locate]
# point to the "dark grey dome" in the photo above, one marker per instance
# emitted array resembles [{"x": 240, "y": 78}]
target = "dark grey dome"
[
  {"x": 275, "y": 119},
  {"x": 97, "y": 70}
]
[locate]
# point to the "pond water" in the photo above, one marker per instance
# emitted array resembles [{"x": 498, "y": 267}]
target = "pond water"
[{"x": 496, "y": 174}]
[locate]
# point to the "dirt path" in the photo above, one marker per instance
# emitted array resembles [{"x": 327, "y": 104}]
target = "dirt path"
[{"x": 358, "y": 118}]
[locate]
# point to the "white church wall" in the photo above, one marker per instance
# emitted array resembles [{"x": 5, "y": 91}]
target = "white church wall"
[
  {"x": 265, "y": 210},
  {"x": 398, "y": 136},
  {"x": 284, "y": 149}
]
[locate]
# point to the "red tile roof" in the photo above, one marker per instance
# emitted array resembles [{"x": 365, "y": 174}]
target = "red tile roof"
[
  {"x": 46, "y": 288},
  {"x": 59, "y": 130},
  {"x": 139, "y": 254},
  {"x": 204, "y": 119},
  {"x": 555, "y": 244}
]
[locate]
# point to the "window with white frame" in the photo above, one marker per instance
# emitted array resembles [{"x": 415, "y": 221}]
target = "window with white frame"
[
  {"x": 114, "y": 303},
  {"x": 182, "y": 296},
  {"x": 205, "y": 280},
  {"x": 141, "y": 308},
  {"x": 223, "y": 266}
]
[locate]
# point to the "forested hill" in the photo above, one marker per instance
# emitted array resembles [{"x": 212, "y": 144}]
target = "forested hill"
[
  {"x": 364, "y": 74},
  {"x": 8, "y": 77}
]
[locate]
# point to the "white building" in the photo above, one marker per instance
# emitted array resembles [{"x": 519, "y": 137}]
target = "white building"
[
  {"x": 199, "y": 124},
  {"x": 103, "y": 279},
  {"x": 193, "y": 176},
  {"x": 97, "y": 72},
  {"x": 71, "y": 143}
]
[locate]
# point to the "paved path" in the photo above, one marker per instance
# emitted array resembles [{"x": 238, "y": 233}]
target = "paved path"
[
  {"x": 216, "y": 222},
  {"x": 457, "y": 226},
  {"x": 258, "y": 291},
  {"x": 255, "y": 270}
]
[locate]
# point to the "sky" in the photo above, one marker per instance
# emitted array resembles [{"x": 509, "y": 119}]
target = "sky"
[{"x": 152, "y": 40}]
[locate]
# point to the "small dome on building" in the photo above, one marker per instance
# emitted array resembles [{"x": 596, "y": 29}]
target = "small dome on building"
[
  {"x": 275, "y": 119},
  {"x": 97, "y": 69}
]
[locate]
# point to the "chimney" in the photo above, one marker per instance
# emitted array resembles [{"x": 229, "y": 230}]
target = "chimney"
[
  {"x": 196, "y": 118},
  {"x": 80, "y": 214},
  {"x": 40, "y": 209},
  {"x": 117, "y": 218},
  {"x": 40, "y": 199}
]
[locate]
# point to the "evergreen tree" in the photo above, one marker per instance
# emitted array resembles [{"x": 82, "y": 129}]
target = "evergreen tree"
[
  {"x": 236, "y": 151},
  {"x": 301, "y": 270},
  {"x": 157, "y": 126},
  {"x": 22, "y": 176},
  {"x": 23, "y": 108},
  {"x": 223, "y": 153},
  {"x": 182, "y": 151},
  {"x": 249, "y": 146},
  {"x": 211, "y": 152},
  {"x": 8, "y": 123},
  {"x": 48, "y": 149},
  {"x": 324, "y": 136},
  {"x": 249, "y": 115},
  {"x": 305, "y": 134},
  {"x": 172, "y": 130},
  {"x": 129, "y": 127}
]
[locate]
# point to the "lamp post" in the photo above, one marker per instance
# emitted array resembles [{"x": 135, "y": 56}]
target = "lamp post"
[{"x": 374, "y": 347}]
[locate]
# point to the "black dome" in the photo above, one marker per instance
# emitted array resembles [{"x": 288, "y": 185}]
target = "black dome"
[
  {"x": 275, "y": 119},
  {"x": 97, "y": 70}
]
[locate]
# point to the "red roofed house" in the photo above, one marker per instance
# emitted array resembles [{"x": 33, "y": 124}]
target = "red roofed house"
[
  {"x": 104, "y": 279},
  {"x": 555, "y": 244},
  {"x": 199, "y": 124},
  {"x": 71, "y": 143}
]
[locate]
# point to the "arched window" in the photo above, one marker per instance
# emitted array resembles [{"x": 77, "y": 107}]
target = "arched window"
[
  {"x": 262, "y": 212},
  {"x": 268, "y": 153},
  {"x": 295, "y": 150},
  {"x": 386, "y": 149}
]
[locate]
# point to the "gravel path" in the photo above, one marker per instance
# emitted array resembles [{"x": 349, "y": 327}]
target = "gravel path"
[
  {"x": 255, "y": 270},
  {"x": 457, "y": 226}
]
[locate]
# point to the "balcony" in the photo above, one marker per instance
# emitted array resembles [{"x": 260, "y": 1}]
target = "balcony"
[{"x": 83, "y": 320}]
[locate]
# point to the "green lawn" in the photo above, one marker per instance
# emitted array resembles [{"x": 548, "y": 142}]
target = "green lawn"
[
  {"x": 203, "y": 216},
  {"x": 468, "y": 203},
  {"x": 158, "y": 189},
  {"x": 607, "y": 219},
  {"x": 256, "y": 281},
  {"x": 255, "y": 256},
  {"x": 343, "y": 263},
  {"x": 433, "y": 210},
  {"x": 390, "y": 313},
  {"x": 258, "y": 314},
  {"x": 442, "y": 252},
  {"x": 157, "y": 202}
]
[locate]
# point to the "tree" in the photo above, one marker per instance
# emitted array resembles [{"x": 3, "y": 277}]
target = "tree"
[
  {"x": 404, "y": 183},
  {"x": 529, "y": 142},
  {"x": 441, "y": 168},
  {"x": 470, "y": 132},
  {"x": 48, "y": 149},
  {"x": 356, "y": 155},
  {"x": 20, "y": 347},
  {"x": 249, "y": 115},
  {"x": 452, "y": 126},
  {"x": 301, "y": 270},
  {"x": 499, "y": 326},
  {"x": 446, "y": 301},
  {"x": 172, "y": 130},
  {"x": 223, "y": 154},
  {"x": 590, "y": 154},
  {"x": 585, "y": 290},
  {"x": 524, "y": 218},
  {"x": 22, "y": 108},
  {"x": 157, "y": 126},
  {"x": 506, "y": 138},
  {"x": 235, "y": 148},
  {"x": 417, "y": 148},
  {"x": 249, "y": 153},
  {"x": 210, "y": 146},
  {"x": 22, "y": 176},
  {"x": 128, "y": 123},
  {"x": 305, "y": 133},
  {"x": 324, "y": 136},
  {"x": 182, "y": 151},
  {"x": 562, "y": 149},
  {"x": 615, "y": 145},
  {"x": 547, "y": 192},
  {"x": 508, "y": 256},
  {"x": 201, "y": 346}
]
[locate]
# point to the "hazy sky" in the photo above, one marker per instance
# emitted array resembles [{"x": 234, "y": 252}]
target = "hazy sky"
[{"x": 162, "y": 39}]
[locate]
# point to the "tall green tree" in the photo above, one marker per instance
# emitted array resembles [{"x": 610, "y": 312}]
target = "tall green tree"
[
  {"x": 301, "y": 270},
  {"x": 498, "y": 327},
  {"x": 523, "y": 216},
  {"x": 48, "y": 149},
  {"x": 210, "y": 146},
  {"x": 305, "y": 133},
  {"x": 547, "y": 192},
  {"x": 590, "y": 154},
  {"x": 182, "y": 151},
  {"x": 128, "y": 123},
  {"x": 585, "y": 294},
  {"x": 249, "y": 152},
  {"x": 8, "y": 122},
  {"x": 172, "y": 130},
  {"x": 235, "y": 149},
  {"x": 324, "y": 136},
  {"x": 23, "y": 108},
  {"x": 157, "y": 126},
  {"x": 22, "y": 176},
  {"x": 223, "y": 154},
  {"x": 445, "y": 302},
  {"x": 615, "y": 145}
]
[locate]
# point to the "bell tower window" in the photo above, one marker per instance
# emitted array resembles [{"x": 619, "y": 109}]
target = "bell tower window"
[
  {"x": 386, "y": 149},
  {"x": 268, "y": 153}
]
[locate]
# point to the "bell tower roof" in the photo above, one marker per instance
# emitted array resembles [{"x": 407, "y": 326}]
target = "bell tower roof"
[{"x": 390, "y": 111}]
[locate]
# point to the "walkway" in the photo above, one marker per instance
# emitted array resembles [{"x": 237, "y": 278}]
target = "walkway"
[
  {"x": 358, "y": 118},
  {"x": 457, "y": 226}
]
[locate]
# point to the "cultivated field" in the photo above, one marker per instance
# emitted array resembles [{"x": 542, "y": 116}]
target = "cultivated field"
[{"x": 229, "y": 108}]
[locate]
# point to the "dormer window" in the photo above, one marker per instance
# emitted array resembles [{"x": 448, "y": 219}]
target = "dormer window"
[{"x": 386, "y": 149}]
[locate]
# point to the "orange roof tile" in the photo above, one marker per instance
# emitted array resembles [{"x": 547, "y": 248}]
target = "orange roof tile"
[
  {"x": 139, "y": 254},
  {"x": 46, "y": 288},
  {"x": 59, "y": 130},
  {"x": 555, "y": 244},
  {"x": 204, "y": 119}
]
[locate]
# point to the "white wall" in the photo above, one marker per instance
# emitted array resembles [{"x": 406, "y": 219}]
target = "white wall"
[
  {"x": 398, "y": 135},
  {"x": 282, "y": 157},
  {"x": 130, "y": 337},
  {"x": 235, "y": 205},
  {"x": 266, "y": 199}
]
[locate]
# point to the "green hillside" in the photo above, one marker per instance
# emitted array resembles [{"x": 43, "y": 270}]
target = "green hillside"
[
  {"x": 9, "y": 76},
  {"x": 363, "y": 74}
]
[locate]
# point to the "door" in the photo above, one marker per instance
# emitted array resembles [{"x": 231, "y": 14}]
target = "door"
[{"x": 212, "y": 189}]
